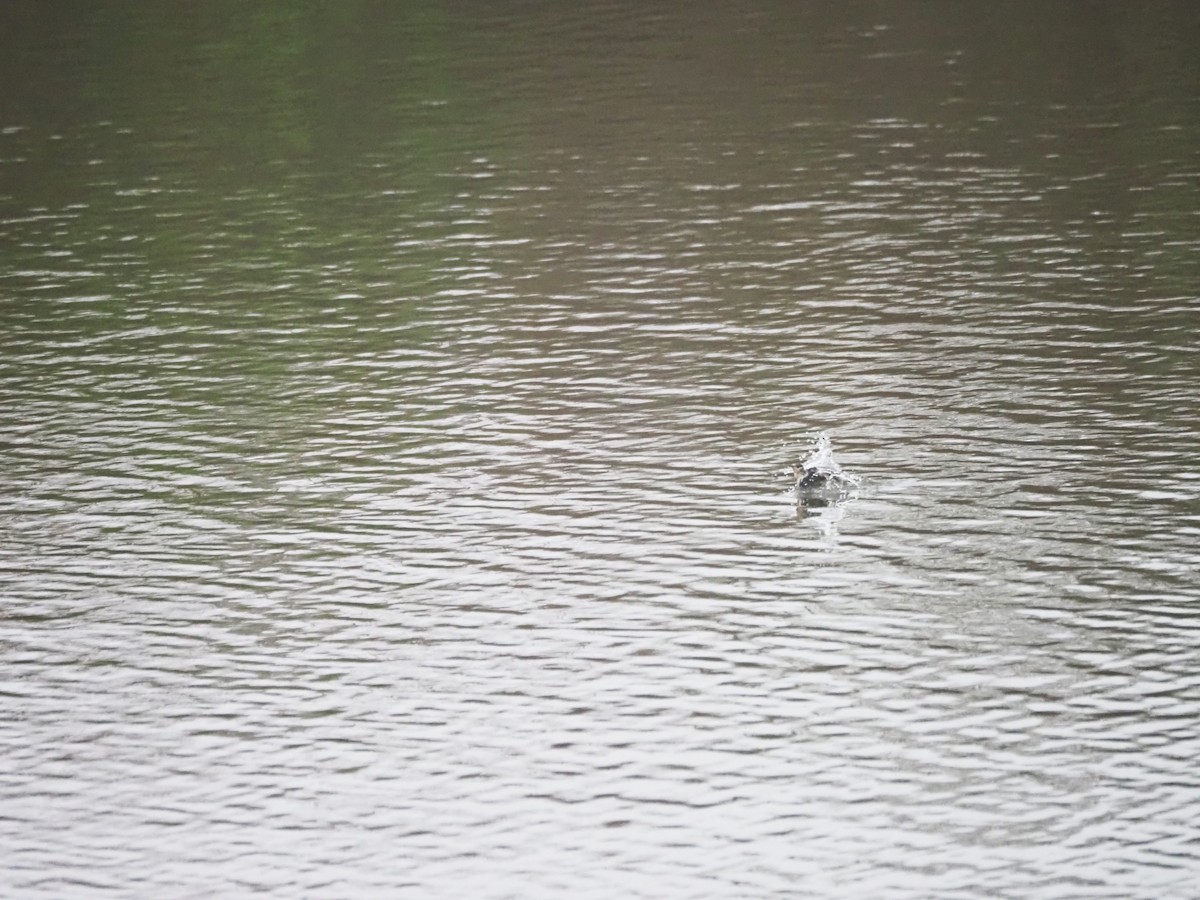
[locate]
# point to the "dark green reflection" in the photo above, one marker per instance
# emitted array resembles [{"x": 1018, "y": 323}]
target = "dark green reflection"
[{"x": 267, "y": 135}]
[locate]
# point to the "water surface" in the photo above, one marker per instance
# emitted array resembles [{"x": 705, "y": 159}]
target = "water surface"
[{"x": 392, "y": 407}]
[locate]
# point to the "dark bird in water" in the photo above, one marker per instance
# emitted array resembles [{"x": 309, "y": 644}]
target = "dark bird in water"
[{"x": 819, "y": 477}]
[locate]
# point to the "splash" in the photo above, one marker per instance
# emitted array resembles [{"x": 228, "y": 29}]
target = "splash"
[{"x": 820, "y": 481}]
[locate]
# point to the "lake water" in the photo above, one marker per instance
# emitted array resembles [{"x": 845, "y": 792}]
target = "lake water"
[{"x": 394, "y": 408}]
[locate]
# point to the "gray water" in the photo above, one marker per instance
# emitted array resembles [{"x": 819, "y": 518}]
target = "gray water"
[{"x": 393, "y": 406}]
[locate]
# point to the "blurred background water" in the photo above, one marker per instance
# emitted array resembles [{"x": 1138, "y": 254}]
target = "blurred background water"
[{"x": 392, "y": 405}]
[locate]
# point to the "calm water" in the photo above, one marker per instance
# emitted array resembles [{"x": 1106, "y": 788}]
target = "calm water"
[{"x": 392, "y": 406}]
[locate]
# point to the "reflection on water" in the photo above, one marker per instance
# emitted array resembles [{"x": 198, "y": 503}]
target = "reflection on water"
[{"x": 394, "y": 408}]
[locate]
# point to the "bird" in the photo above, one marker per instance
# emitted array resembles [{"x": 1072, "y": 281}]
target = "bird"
[{"x": 819, "y": 472}]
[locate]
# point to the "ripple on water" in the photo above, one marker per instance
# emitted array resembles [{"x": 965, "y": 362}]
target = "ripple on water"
[{"x": 408, "y": 519}]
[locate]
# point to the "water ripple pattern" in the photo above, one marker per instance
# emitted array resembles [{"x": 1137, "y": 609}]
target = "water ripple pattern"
[{"x": 403, "y": 510}]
